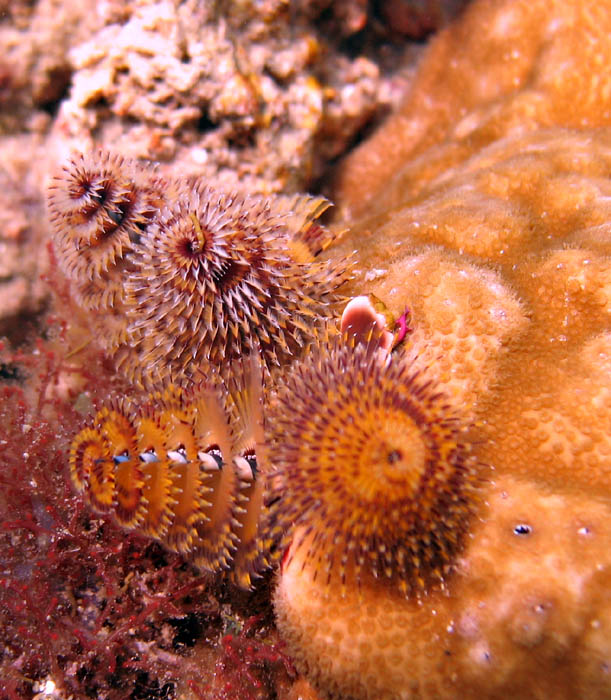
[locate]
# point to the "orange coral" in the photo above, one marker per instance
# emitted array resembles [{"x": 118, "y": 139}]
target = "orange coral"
[
  {"x": 501, "y": 69},
  {"x": 493, "y": 230},
  {"x": 483, "y": 208},
  {"x": 527, "y": 613}
]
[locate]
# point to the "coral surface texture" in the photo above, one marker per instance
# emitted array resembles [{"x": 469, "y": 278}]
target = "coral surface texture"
[{"x": 482, "y": 206}]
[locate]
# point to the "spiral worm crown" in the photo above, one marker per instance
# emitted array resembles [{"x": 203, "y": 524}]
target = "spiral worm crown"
[
  {"x": 220, "y": 274},
  {"x": 181, "y": 276},
  {"x": 99, "y": 206},
  {"x": 372, "y": 466},
  {"x": 182, "y": 467}
]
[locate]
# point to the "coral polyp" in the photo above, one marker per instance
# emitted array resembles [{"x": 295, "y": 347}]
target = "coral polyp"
[
  {"x": 221, "y": 275},
  {"x": 372, "y": 468},
  {"x": 182, "y": 467}
]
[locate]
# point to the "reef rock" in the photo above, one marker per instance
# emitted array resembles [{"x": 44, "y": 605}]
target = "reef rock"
[
  {"x": 239, "y": 92},
  {"x": 482, "y": 206},
  {"x": 261, "y": 95}
]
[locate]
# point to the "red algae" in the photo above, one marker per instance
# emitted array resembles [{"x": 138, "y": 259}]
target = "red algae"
[{"x": 83, "y": 606}]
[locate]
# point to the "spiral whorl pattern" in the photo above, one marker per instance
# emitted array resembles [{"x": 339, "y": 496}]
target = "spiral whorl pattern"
[
  {"x": 182, "y": 467},
  {"x": 180, "y": 276},
  {"x": 99, "y": 205},
  {"x": 218, "y": 277},
  {"x": 374, "y": 464}
]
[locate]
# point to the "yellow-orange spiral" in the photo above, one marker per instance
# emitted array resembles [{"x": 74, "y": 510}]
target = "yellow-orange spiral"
[
  {"x": 373, "y": 465},
  {"x": 183, "y": 467}
]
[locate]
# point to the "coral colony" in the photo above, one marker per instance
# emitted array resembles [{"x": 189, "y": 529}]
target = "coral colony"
[
  {"x": 494, "y": 229},
  {"x": 433, "y": 504}
]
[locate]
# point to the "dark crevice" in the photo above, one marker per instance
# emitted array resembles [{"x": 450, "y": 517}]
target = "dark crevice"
[
  {"x": 205, "y": 124},
  {"x": 56, "y": 91}
]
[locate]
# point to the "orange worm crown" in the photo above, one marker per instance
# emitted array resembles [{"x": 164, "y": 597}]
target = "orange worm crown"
[
  {"x": 184, "y": 467},
  {"x": 371, "y": 466}
]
